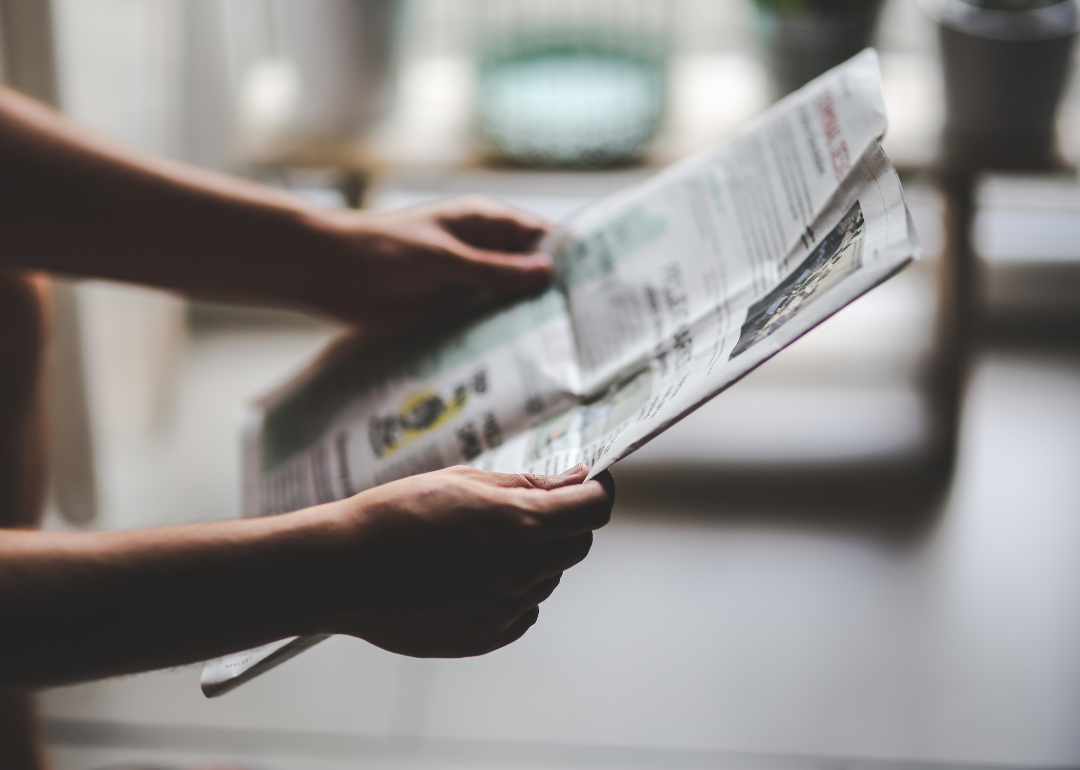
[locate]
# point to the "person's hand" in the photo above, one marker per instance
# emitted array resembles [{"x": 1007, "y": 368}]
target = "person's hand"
[
  {"x": 455, "y": 563},
  {"x": 392, "y": 270}
]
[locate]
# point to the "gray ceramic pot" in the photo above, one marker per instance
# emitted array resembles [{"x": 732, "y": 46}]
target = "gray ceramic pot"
[
  {"x": 1006, "y": 63},
  {"x": 802, "y": 44}
]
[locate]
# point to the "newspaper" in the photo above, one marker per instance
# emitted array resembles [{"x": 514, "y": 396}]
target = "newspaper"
[{"x": 666, "y": 293}]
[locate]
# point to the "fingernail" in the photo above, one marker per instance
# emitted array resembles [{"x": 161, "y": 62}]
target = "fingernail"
[{"x": 573, "y": 471}]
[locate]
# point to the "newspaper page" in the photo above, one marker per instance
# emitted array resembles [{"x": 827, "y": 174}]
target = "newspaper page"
[
  {"x": 666, "y": 294},
  {"x": 357, "y": 419}
]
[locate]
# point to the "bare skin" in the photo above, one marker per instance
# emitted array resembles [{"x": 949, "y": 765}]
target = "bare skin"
[
  {"x": 24, "y": 319},
  {"x": 445, "y": 564},
  {"x": 76, "y": 204},
  {"x": 451, "y": 563}
]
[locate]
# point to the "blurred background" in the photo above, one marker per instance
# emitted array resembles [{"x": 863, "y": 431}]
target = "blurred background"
[{"x": 866, "y": 554}]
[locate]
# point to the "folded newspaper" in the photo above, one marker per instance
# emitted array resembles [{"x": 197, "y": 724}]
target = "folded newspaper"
[{"x": 665, "y": 295}]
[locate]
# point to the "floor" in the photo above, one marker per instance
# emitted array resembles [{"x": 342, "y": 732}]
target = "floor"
[{"x": 695, "y": 635}]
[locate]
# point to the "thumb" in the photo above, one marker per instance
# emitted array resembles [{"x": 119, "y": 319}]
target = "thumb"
[{"x": 567, "y": 478}]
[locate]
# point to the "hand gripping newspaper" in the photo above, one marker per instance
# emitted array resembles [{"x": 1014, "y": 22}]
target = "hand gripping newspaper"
[{"x": 665, "y": 294}]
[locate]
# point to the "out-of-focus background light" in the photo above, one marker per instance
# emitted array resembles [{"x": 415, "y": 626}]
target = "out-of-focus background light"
[{"x": 866, "y": 554}]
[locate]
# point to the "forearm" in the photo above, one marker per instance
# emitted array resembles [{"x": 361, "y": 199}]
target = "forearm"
[
  {"x": 447, "y": 564},
  {"x": 76, "y": 204},
  {"x": 77, "y": 606}
]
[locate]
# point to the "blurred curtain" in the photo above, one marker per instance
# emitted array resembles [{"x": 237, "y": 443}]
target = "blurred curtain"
[{"x": 29, "y": 65}]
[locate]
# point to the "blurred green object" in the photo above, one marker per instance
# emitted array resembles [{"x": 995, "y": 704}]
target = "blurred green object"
[{"x": 571, "y": 86}]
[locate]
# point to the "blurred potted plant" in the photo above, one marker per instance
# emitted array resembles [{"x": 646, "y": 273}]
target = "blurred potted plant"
[
  {"x": 1006, "y": 63},
  {"x": 804, "y": 38}
]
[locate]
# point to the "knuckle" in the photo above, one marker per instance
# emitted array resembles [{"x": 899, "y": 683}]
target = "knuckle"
[{"x": 524, "y": 480}]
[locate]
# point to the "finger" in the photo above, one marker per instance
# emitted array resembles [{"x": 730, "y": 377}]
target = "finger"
[
  {"x": 485, "y": 270},
  {"x": 511, "y": 610},
  {"x": 571, "y": 476},
  {"x": 489, "y": 224},
  {"x": 540, "y": 592},
  {"x": 561, "y": 555},
  {"x": 502, "y": 232},
  {"x": 570, "y": 510},
  {"x": 455, "y": 646},
  {"x": 522, "y": 573},
  {"x": 607, "y": 481},
  {"x": 516, "y": 631},
  {"x": 559, "y": 513}
]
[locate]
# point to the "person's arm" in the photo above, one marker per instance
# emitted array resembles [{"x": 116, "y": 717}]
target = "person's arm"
[
  {"x": 73, "y": 203},
  {"x": 445, "y": 564}
]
